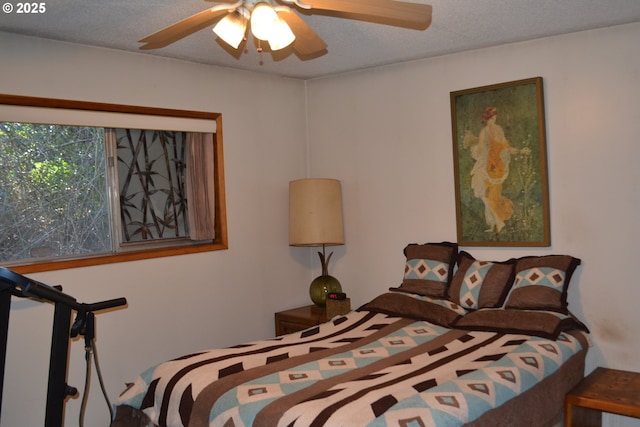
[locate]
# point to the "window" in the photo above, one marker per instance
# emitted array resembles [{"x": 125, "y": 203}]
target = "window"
[{"x": 88, "y": 183}]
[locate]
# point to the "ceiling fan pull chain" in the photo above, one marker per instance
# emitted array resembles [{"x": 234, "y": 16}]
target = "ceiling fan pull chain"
[{"x": 260, "y": 50}]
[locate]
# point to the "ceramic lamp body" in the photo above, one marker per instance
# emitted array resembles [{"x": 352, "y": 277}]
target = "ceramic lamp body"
[{"x": 321, "y": 286}]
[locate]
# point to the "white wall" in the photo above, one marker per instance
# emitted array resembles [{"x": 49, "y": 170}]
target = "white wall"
[
  {"x": 386, "y": 133},
  {"x": 181, "y": 304}
]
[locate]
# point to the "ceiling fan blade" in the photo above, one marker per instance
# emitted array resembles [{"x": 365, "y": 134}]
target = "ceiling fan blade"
[
  {"x": 183, "y": 28},
  {"x": 307, "y": 42},
  {"x": 390, "y": 12}
]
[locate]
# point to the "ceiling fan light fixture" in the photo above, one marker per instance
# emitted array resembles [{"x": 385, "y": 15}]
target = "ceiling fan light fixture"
[
  {"x": 282, "y": 36},
  {"x": 231, "y": 29},
  {"x": 264, "y": 21},
  {"x": 271, "y": 25}
]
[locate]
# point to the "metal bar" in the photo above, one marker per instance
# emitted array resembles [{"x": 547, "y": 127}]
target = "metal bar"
[
  {"x": 5, "y": 309},
  {"x": 57, "y": 390}
]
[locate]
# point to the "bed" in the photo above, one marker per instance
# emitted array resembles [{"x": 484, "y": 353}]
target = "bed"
[{"x": 486, "y": 343}]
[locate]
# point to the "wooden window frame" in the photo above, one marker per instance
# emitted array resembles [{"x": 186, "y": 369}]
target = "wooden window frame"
[{"x": 221, "y": 240}]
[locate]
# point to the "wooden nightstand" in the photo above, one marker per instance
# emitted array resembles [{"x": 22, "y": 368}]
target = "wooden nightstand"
[
  {"x": 604, "y": 390},
  {"x": 297, "y": 319}
]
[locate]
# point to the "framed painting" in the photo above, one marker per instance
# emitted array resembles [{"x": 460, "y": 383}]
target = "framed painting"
[{"x": 500, "y": 163}]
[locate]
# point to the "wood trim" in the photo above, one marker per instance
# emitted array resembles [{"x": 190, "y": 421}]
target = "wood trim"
[
  {"x": 221, "y": 240},
  {"x": 31, "y": 101}
]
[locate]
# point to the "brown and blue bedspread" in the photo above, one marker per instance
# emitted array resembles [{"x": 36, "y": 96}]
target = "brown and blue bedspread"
[{"x": 372, "y": 367}]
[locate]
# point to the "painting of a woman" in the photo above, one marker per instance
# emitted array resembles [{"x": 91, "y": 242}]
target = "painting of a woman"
[
  {"x": 500, "y": 165},
  {"x": 492, "y": 153}
]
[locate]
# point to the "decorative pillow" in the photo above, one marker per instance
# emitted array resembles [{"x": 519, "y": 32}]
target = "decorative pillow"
[
  {"x": 429, "y": 268},
  {"x": 544, "y": 324},
  {"x": 435, "y": 310},
  {"x": 542, "y": 282},
  {"x": 481, "y": 284}
]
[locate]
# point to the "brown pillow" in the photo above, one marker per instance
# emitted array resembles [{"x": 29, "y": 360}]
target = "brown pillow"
[
  {"x": 540, "y": 323},
  {"x": 481, "y": 284},
  {"x": 429, "y": 268},
  {"x": 435, "y": 310},
  {"x": 542, "y": 282}
]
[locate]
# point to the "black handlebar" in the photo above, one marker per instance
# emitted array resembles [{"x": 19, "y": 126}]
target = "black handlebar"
[
  {"x": 103, "y": 305},
  {"x": 25, "y": 287},
  {"x": 31, "y": 288}
]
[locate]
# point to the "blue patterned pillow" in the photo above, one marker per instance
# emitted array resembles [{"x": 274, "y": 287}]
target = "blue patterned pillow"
[
  {"x": 542, "y": 282},
  {"x": 429, "y": 268},
  {"x": 480, "y": 284},
  {"x": 426, "y": 269}
]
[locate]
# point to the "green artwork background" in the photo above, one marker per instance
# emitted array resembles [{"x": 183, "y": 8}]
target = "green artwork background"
[{"x": 518, "y": 116}]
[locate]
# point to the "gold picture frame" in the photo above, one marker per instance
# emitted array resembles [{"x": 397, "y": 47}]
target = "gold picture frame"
[{"x": 500, "y": 164}]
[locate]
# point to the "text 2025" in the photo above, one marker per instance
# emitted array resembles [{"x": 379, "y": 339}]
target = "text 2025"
[{"x": 31, "y": 7}]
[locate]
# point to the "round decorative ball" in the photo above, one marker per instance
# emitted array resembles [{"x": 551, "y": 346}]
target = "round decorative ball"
[{"x": 321, "y": 286}]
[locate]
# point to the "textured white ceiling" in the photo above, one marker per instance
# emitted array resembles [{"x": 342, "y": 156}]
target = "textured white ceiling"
[{"x": 457, "y": 25}]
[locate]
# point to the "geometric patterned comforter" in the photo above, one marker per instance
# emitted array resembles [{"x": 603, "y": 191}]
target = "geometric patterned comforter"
[{"x": 366, "y": 368}]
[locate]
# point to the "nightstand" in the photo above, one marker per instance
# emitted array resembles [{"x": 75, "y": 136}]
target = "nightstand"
[
  {"x": 297, "y": 319},
  {"x": 604, "y": 390}
]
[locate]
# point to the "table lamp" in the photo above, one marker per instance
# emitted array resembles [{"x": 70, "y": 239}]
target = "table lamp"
[{"x": 315, "y": 219}]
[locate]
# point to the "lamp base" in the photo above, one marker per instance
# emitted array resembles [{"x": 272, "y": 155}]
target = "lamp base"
[{"x": 321, "y": 286}]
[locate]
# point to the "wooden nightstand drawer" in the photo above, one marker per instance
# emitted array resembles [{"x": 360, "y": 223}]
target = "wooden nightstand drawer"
[{"x": 297, "y": 319}]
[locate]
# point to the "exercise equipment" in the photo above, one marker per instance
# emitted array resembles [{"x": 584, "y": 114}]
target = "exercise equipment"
[{"x": 14, "y": 284}]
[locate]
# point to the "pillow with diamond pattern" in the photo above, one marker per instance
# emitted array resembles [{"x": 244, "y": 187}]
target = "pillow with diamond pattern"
[
  {"x": 542, "y": 282},
  {"x": 429, "y": 268},
  {"x": 481, "y": 284}
]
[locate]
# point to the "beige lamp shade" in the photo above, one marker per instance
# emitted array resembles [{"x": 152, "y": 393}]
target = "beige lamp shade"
[{"x": 315, "y": 212}]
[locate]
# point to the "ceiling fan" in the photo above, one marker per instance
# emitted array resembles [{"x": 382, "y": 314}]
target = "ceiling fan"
[{"x": 275, "y": 22}]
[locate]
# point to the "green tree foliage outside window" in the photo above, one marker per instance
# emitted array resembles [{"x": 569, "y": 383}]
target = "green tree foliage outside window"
[{"x": 53, "y": 191}]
